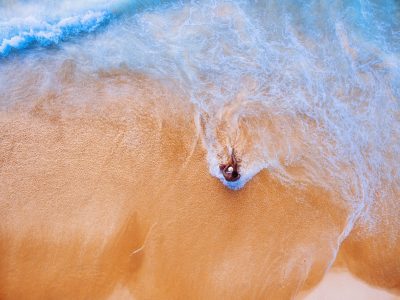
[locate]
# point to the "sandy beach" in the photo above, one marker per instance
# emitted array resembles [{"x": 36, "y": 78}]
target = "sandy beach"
[
  {"x": 119, "y": 123},
  {"x": 117, "y": 198}
]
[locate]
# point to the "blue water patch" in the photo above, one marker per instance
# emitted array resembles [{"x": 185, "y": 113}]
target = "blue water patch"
[
  {"x": 50, "y": 33},
  {"x": 47, "y": 26}
]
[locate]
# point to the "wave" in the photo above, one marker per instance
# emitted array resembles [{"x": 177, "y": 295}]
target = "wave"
[
  {"x": 46, "y": 26},
  {"x": 45, "y": 34}
]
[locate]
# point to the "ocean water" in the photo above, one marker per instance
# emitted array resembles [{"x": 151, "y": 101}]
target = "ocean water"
[
  {"x": 311, "y": 85},
  {"x": 308, "y": 91}
]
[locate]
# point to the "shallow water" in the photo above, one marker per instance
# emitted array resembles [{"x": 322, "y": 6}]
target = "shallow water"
[{"x": 306, "y": 92}]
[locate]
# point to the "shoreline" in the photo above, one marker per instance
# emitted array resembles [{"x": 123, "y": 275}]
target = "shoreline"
[{"x": 105, "y": 191}]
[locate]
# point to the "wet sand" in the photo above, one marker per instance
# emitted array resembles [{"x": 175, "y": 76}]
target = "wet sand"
[{"x": 110, "y": 196}]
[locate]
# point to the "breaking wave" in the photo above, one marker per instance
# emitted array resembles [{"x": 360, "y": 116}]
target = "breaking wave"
[{"x": 45, "y": 24}]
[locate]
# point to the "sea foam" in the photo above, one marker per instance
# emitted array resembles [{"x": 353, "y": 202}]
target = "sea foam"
[{"x": 308, "y": 92}]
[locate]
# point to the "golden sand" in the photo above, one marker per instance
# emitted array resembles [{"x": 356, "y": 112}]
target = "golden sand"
[{"x": 110, "y": 197}]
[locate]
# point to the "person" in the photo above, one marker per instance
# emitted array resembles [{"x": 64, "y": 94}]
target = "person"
[{"x": 230, "y": 170}]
